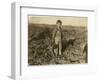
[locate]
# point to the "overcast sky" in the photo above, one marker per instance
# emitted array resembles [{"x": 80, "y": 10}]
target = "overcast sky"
[{"x": 68, "y": 20}]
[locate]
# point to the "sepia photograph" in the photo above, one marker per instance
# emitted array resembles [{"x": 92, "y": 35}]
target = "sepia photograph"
[
  {"x": 49, "y": 41},
  {"x": 57, "y": 40}
]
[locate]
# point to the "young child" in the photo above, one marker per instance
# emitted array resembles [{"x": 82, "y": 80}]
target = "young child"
[{"x": 57, "y": 38}]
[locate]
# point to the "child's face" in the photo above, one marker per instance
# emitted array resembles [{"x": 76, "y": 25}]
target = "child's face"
[{"x": 59, "y": 24}]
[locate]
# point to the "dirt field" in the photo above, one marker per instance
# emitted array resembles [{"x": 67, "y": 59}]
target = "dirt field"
[{"x": 73, "y": 45}]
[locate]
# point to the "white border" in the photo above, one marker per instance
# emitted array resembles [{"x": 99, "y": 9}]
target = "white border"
[{"x": 20, "y": 69}]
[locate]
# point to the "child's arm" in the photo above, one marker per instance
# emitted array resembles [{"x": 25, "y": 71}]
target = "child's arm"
[{"x": 53, "y": 35}]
